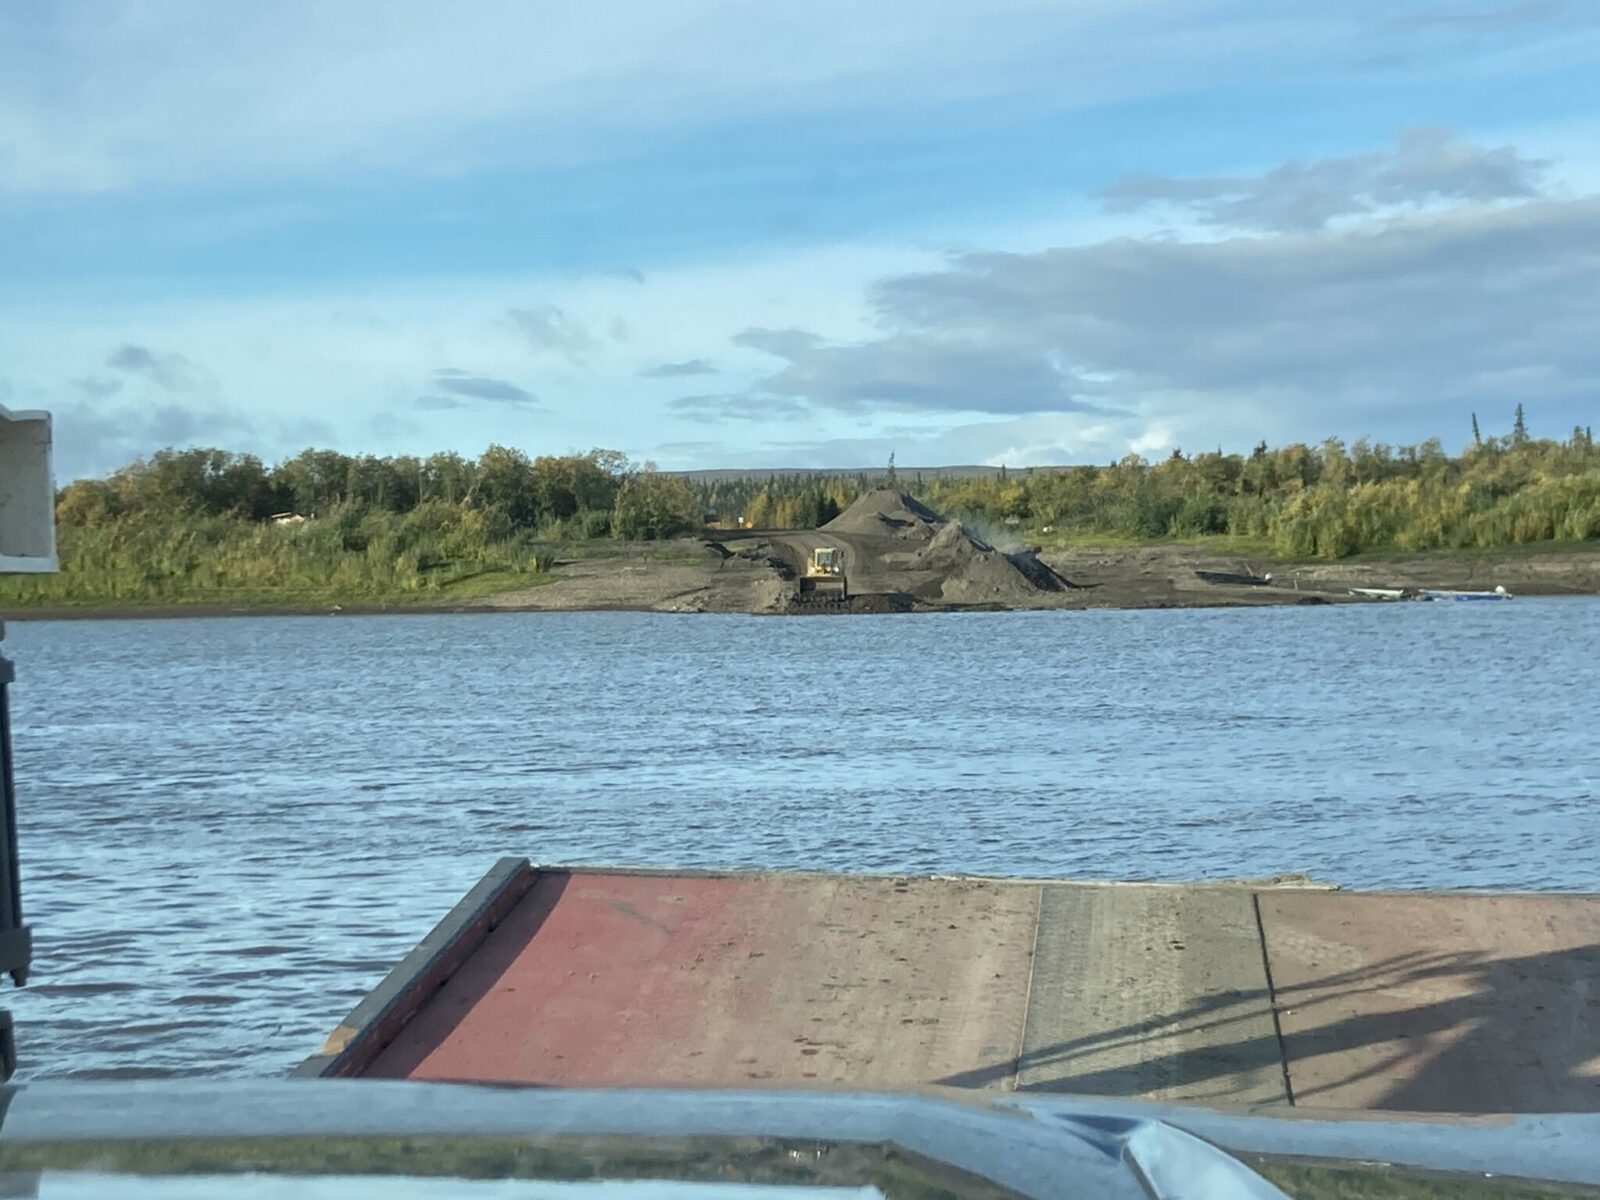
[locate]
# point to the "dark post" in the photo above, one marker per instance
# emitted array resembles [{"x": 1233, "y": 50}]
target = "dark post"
[
  {"x": 27, "y": 546},
  {"x": 16, "y": 944}
]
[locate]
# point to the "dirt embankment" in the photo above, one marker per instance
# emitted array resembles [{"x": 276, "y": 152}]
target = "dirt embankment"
[
  {"x": 901, "y": 557},
  {"x": 915, "y": 562},
  {"x": 1164, "y": 576},
  {"x": 895, "y": 546},
  {"x": 686, "y": 575}
]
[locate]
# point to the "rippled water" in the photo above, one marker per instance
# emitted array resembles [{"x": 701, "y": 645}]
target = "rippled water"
[{"x": 232, "y": 828}]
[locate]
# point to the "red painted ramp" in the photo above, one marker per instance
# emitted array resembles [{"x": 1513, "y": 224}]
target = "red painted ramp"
[
  {"x": 621, "y": 978},
  {"x": 1220, "y": 994}
]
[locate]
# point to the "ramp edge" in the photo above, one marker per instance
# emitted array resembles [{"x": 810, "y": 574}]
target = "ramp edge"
[{"x": 380, "y": 1016}]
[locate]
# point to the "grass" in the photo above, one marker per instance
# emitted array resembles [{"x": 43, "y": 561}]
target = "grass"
[
  {"x": 603, "y": 548},
  {"x": 1570, "y": 546},
  {"x": 408, "y": 562},
  {"x": 1219, "y": 543},
  {"x": 435, "y": 554},
  {"x": 1262, "y": 549},
  {"x": 469, "y": 587},
  {"x": 1308, "y": 1180},
  {"x": 312, "y": 577}
]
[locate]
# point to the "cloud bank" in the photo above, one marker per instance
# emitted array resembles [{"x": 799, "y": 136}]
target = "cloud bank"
[
  {"x": 1425, "y": 167},
  {"x": 1455, "y": 285}
]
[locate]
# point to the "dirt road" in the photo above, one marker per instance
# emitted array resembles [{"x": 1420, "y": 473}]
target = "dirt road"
[{"x": 686, "y": 575}]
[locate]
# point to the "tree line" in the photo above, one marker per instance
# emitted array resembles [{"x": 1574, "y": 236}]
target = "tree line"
[
  {"x": 208, "y": 524},
  {"x": 561, "y": 496},
  {"x": 1299, "y": 501}
]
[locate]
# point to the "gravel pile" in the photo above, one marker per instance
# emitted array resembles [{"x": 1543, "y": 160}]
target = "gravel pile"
[{"x": 917, "y": 552}]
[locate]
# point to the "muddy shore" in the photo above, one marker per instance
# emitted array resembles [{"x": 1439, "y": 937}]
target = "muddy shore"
[{"x": 693, "y": 575}]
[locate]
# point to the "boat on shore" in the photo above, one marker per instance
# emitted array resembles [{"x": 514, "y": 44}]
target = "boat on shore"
[
  {"x": 1401, "y": 593},
  {"x": 1237, "y": 578},
  {"x": 1426, "y": 594},
  {"x": 1499, "y": 593}
]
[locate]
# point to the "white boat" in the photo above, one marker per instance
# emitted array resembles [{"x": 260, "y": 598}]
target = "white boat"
[
  {"x": 1499, "y": 593},
  {"x": 1379, "y": 593}
]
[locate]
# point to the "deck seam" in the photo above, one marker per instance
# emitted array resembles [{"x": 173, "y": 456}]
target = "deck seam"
[
  {"x": 1027, "y": 995},
  {"x": 1272, "y": 999}
]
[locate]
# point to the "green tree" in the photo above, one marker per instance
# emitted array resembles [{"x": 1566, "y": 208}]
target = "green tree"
[
  {"x": 446, "y": 476},
  {"x": 313, "y": 481},
  {"x": 651, "y": 505},
  {"x": 505, "y": 481}
]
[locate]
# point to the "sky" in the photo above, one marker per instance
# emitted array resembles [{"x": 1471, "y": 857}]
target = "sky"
[{"x": 717, "y": 233}]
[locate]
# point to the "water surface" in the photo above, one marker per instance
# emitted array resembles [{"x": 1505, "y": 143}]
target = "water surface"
[{"x": 232, "y": 828}]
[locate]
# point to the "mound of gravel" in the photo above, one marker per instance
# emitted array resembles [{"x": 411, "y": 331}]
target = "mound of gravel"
[
  {"x": 897, "y": 545},
  {"x": 887, "y": 512},
  {"x": 970, "y": 571},
  {"x": 1044, "y": 577}
]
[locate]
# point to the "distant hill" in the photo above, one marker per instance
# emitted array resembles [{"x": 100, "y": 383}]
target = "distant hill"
[{"x": 741, "y": 474}]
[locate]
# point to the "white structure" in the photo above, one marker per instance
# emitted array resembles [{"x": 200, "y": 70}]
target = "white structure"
[{"x": 27, "y": 493}]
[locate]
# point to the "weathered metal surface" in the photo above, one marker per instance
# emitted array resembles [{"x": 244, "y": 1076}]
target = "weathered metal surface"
[
  {"x": 1155, "y": 992},
  {"x": 605, "y": 979},
  {"x": 1438, "y": 1003},
  {"x": 390, "y": 1006},
  {"x": 27, "y": 493},
  {"x": 1465, "y": 1003}
]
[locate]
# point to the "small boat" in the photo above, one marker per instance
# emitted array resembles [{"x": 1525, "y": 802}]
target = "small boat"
[
  {"x": 1234, "y": 577},
  {"x": 1499, "y": 593},
  {"x": 1381, "y": 593}
]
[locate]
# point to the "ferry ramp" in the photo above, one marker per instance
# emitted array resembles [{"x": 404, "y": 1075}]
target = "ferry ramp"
[{"x": 1236, "y": 995}]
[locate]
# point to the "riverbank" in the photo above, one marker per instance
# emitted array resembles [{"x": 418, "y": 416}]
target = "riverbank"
[{"x": 698, "y": 575}]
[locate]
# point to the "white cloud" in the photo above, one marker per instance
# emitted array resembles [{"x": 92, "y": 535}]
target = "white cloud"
[
  {"x": 1390, "y": 326},
  {"x": 123, "y": 93},
  {"x": 1397, "y": 327},
  {"x": 170, "y": 372},
  {"x": 547, "y": 328},
  {"x": 1393, "y": 312},
  {"x": 1015, "y": 442},
  {"x": 455, "y": 383},
  {"x": 1426, "y": 167},
  {"x": 350, "y": 363},
  {"x": 1063, "y": 339}
]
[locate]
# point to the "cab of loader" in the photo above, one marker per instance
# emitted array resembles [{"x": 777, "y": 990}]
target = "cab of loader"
[
  {"x": 824, "y": 577},
  {"x": 827, "y": 560}
]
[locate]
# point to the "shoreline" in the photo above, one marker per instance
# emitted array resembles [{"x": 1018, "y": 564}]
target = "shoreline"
[
  {"x": 688, "y": 576},
  {"x": 169, "y": 612}
]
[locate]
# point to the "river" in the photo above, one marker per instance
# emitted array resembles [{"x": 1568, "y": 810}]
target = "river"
[{"x": 232, "y": 828}]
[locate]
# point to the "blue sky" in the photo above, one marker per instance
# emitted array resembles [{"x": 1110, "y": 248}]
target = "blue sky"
[{"x": 716, "y": 233}]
